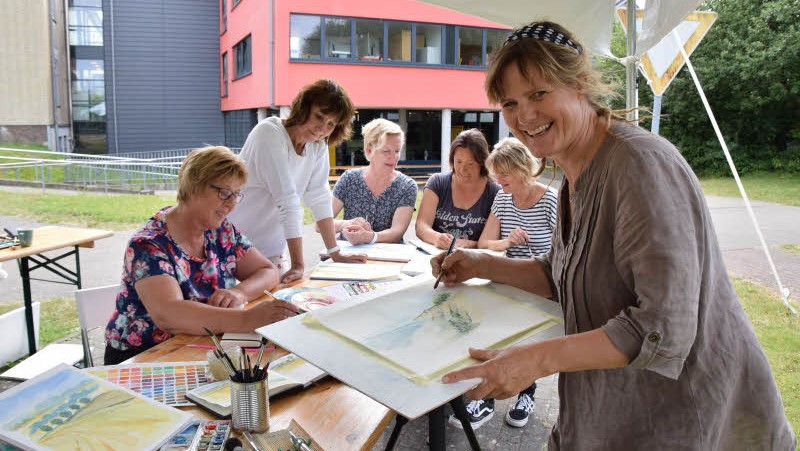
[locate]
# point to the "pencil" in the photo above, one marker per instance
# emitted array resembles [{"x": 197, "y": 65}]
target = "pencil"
[{"x": 449, "y": 251}]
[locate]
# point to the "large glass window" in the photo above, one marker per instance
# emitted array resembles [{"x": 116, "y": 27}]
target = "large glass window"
[
  {"x": 243, "y": 57},
  {"x": 494, "y": 39},
  {"x": 399, "y": 41},
  {"x": 470, "y": 43},
  {"x": 304, "y": 36},
  {"x": 88, "y": 105},
  {"x": 337, "y": 36},
  {"x": 223, "y": 7},
  {"x": 429, "y": 44},
  {"x": 369, "y": 40},
  {"x": 424, "y": 135},
  {"x": 86, "y": 23}
]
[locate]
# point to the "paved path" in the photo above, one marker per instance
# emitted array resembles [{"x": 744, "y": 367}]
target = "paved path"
[{"x": 738, "y": 240}]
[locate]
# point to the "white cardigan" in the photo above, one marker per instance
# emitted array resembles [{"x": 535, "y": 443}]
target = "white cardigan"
[{"x": 277, "y": 179}]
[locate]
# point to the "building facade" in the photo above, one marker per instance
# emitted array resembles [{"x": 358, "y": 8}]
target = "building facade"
[{"x": 156, "y": 74}]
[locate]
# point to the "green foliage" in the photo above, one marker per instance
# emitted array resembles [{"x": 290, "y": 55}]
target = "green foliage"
[
  {"x": 440, "y": 298},
  {"x": 749, "y": 67}
]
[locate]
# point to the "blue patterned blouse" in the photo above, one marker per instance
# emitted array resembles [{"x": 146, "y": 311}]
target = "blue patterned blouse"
[
  {"x": 358, "y": 200},
  {"x": 152, "y": 252}
]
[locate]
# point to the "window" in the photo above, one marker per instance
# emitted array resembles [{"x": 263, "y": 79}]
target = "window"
[
  {"x": 86, "y": 23},
  {"x": 369, "y": 40},
  {"x": 224, "y": 90},
  {"x": 399, "y": 41},
  {"x": 470, "y": 44},
  {"x": 494, "y": 39},
  {"x": 243, "y": 58},
  {"x": 337, "y": 36},
  {"x": 428, "y": 44},
  {"x": 376, "y": 41},
  {"x": 224, "y": 15},
  {"x": 235, "y": 2},
  {"x": 304, "y": 36}
]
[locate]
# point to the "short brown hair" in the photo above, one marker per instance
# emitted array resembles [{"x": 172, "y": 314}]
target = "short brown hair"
[
  {"x": 473, "y": 140},
  {"x": 558, "y": 64},
  {"x": 375, "y": 133},
  {"x": 206, "y": 165},
  {"x": 331, "y": 99},
  {"x": 511, "y": 156}
]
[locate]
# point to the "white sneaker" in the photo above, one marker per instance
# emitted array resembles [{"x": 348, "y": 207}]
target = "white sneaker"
[{"x": 479, "y": 412}]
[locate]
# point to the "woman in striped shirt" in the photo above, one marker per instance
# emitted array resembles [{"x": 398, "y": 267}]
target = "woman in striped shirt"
[{"x": 524, "y": 213}]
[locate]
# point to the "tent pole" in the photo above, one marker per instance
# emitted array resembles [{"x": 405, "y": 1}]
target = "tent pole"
[
  {"x": 631, "y": 101},
  {"x": 784, "y": 292}
]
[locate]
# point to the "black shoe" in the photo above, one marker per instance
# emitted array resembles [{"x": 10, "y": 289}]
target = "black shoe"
[
  {"x": 479, "y": 412},
  {"x": 518, "y": 415}
]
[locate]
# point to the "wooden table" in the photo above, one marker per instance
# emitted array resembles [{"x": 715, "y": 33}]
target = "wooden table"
[
  {"x": 335, "y": 415},
  {"x": 50, "y": 238}
]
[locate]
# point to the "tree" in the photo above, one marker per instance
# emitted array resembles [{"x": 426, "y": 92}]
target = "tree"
[{"x": 749, "y": 67}]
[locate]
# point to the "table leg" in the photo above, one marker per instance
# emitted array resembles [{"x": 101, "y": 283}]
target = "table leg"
[
  {"x": 399, "y": 422},
  {"x": 25, "y": 274},
  {"x": 460, "y": 409},
  {"x": 78, "y": 267},
  {"x": 436, "y": 429}
]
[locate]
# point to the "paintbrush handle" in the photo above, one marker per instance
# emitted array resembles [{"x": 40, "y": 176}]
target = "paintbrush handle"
[{"x": 456, "y": 234}]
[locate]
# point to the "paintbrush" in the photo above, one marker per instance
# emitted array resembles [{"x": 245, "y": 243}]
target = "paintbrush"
[
  {"x": 449, "y": 251},
  {"x": 219, "y": 347},
  {"x": 260, "y": 355}
]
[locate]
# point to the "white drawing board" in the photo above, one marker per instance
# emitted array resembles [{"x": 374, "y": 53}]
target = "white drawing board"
[{"x": 384, "y": 380}]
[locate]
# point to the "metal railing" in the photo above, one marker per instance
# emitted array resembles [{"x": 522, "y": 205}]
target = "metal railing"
[{"x": 134, "y": 172}]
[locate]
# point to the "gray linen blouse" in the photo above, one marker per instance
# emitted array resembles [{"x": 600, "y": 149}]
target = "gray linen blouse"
[{"x": 641, "y": 260}]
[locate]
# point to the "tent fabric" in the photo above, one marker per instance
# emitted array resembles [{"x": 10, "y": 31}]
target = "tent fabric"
[{"x": 590, "y": 20}]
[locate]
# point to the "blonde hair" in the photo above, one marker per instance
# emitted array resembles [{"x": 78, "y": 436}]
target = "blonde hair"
[
  {"x": 375, "y": 133},
  {"x": 206, "y": 165},
  {"x": 558, "y": 64},
  {"x": 510, "y": 156}
]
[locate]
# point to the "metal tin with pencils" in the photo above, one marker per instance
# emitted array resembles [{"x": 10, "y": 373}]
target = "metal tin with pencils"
[{"x": 250, "y": 405}]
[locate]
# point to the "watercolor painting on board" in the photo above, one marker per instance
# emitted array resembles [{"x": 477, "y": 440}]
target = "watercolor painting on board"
[
  {"x": 67, "y": 409},
  {"x": 425, "y": 332}
]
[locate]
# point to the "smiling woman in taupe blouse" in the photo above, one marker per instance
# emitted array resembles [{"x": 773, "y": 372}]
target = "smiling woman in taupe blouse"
[{"x": 658, "y": 352}]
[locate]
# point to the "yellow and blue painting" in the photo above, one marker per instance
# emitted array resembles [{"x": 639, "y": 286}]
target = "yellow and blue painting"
[{"x": 67, "y": 409}]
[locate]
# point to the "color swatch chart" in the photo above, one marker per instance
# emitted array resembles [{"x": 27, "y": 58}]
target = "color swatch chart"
[{"x": 163, "y": 382}]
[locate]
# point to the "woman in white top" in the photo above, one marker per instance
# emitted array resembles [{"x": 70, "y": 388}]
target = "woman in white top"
[
  {"x": 524, "y": 213},
  {"x": 378, "y": 200},
  {"x": 288, "y": 160}
]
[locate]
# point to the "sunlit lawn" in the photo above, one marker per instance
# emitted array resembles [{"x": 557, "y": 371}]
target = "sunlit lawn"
[{"x": 768, "y": 187}]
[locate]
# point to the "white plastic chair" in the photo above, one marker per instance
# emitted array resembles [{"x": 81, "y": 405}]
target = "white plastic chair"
[{"x": 94, "y": 309}]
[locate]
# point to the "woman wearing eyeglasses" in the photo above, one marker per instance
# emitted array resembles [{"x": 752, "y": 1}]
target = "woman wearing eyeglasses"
[{"x": 180, "y": 269}]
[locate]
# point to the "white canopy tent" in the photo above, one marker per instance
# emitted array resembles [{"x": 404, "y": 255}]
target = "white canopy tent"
[{"x": 592, "y": 22}]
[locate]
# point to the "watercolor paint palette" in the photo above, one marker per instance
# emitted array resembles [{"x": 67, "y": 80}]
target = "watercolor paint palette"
[
  {"x": 164, "y": 382},
  {"x": 201, "y": 435}
]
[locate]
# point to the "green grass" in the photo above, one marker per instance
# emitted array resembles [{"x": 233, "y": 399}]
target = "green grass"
[
  {"x": 55, "y": 174},
  {"x": 792, "y": 248},
  {"x": 768, "y": 187},
  {"x": 776, "y": 329},
  {"x": 115, "y": 212}
]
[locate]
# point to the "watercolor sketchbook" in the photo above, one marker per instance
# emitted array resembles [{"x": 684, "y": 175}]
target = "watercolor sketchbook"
[
  {"x": 394, "y": 346},
  {"x": 164, "y": 382},
  {"x": 355, "y": 271},
  {"x": 68, "y": 409},
  {"x": 284, "y": 374},
  {"x": 388, "y": 252}
]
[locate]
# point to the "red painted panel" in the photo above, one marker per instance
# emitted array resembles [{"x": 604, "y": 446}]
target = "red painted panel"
[{"x": 369, "y": 86}]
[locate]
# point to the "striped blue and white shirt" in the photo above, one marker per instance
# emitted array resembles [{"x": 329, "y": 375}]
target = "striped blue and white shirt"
[{"x": 538, "y": 221}]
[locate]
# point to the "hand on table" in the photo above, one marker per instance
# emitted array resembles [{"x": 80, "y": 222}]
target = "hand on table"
[
  {"x": 227, "y": 298},
  {"x": 443, "y": 241},
  {"x": 348, "y": 258},
  {"x": 272, "y": 311},
  {"x": 294, "y": 273},
  {"x": 357, "y": 235},
  {"x": 358, "y": 222}
]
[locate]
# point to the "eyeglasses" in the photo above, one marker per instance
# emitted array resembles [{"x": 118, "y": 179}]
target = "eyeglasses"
[{"x": 226, "y": 194}]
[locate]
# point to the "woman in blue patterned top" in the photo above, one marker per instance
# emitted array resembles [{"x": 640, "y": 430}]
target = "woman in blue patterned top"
[
  {"x": 378, "y": 200},
  {"x": 180, "y": 269}
]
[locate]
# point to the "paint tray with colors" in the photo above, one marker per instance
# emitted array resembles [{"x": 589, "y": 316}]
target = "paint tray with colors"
[{"x": 165, "y": 382}]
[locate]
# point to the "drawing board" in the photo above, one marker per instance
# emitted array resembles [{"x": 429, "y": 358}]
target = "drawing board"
[{"x": 357, "y": 344}]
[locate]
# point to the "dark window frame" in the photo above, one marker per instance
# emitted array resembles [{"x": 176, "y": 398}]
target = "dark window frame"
[
  {"x": 224, "y": 15},
  {"x": 353, "y": 59},
  {"x": 235, "y": 3},
  {"x": 224, "y": 63},
  {"x": 243, "y": 58}
]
